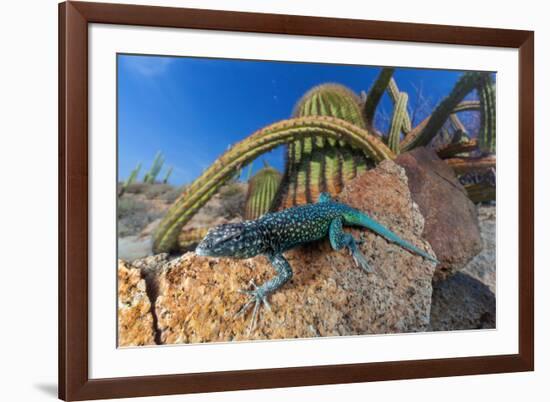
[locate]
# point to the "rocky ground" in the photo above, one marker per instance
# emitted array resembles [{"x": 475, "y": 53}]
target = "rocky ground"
[
  {"x": 142, "y": 206},
  {"x": 194, "y": 299}
]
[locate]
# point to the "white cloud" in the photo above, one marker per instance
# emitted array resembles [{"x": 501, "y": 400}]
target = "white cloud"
[{"x": 147, "y": 66}]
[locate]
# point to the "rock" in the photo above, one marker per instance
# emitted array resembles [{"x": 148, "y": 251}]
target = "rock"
[
  {"x": 451, "y": 218},
  {"x": 483, "y": 266},
  {"x": 135, "y": 321},
  {"x": 328, "y": 295},
  {"x": 467, "y": 300},
  {"x": 462, "y": 302}
]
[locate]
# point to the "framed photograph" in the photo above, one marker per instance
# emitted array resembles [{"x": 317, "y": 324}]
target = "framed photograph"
[{"x": 259, "y": 200}]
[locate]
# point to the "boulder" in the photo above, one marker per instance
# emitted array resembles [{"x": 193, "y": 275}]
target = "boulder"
[
  {"x": 467, "y": 299},
  {"x": 462, "y": 302},
  {"x": 135, "y": 320},
  {"x": 451, "y": 225},
  {"x": 328, "y": 296}
]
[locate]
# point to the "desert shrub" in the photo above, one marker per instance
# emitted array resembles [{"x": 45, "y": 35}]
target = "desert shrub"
[
  {"x": 232, "y": 199},
  {"x": 157, "y": 190},
  {"x": 136, "y": 188},
  {"x": 171, "y": 195}
]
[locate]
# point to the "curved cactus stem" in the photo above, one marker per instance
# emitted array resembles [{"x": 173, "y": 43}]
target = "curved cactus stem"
[
  {"x": 375, "y": 93},
  {"x": 425, "y": 131},
  {"x": 451, "y": 150},
  {"x": 481, "y": 192},
  {"x": 467, "y": 165},
  {"x": 457, "y": 123},
  {"x": 397, "y": 122},
  {"x": 224, "y": 168},
  {"x": 394, "y": 92},
  {"x": 466, "y": 106}
]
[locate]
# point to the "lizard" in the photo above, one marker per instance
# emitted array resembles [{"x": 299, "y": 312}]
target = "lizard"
[{"x": 276, "y": 232}]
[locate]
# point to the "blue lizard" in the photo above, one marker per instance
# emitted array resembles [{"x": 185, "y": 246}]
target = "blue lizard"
[{"x": 274, "y": 233}]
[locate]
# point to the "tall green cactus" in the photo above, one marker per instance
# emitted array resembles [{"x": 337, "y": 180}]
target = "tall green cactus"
[
  {"x": 133, "y": 175},
  {"x": 487, "y": 128},
  {"x": 151, "y": 175},
  {"x": 262, "y": 188},
  {"x": 394, "y": 93},
  {"x": 317, "y": 164},
  {"x": 131, "y": 179},
  {"x": 242, "y": 153},
  {"x": 168, "y": 174},
  {"x": 398, "y": 121}
]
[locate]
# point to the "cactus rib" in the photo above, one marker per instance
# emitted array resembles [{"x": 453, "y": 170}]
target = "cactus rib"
[{"x": 200, "y": 191}]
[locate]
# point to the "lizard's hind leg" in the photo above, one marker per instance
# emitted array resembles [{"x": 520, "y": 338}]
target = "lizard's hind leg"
[{"x": 339, "y": 238}]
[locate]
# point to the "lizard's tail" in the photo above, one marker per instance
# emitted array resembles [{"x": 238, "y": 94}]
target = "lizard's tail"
[{"x": 360, "y": 219}]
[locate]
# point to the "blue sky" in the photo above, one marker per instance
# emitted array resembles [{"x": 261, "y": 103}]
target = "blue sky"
[{"x": 193, "y": 109}]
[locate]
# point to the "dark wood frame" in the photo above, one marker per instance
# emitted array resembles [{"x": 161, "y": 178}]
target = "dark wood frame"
[{"x": 74, "y": 17}]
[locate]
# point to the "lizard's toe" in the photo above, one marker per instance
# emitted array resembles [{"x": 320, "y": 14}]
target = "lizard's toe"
[{"x": 257, "y": 298}]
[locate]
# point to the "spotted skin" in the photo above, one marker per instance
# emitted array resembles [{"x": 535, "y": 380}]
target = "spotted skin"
[{"x": 277, "y": 232}]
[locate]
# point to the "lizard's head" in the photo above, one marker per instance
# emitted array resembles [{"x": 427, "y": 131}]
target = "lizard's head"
[{"x": 235, "y": 240}]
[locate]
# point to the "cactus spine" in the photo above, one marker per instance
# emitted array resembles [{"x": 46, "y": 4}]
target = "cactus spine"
[
  {"x": 262, "y": 188},
  {"x": 317, "y": 163},
  {"x": 224, "y": 168},
  {"x": 153, "y": 172}
]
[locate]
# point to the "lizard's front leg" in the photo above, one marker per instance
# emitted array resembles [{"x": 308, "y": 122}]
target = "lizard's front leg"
[
  {"x": 339, "y": 238},
  {"x": 260, "y": 293}
]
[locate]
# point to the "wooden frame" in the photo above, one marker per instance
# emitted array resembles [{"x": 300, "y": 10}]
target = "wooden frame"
[{"x": 74, "y": 17}]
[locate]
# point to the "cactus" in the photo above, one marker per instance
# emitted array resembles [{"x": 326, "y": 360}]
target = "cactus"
[
  {"x": 317, "y": 163},
  {"x": 375, "y": 94},
  {"x": 151, "y": 175},
  {"x": 329, "y": 141},
  {"x": 425, "y": 131},
  {"x": 224, "y": 168},
  {"x": 131, "y": 179},
  {"x": 394, "y": 92},
  {"x": 452, "y": 149},
  {"x": 398, "y": 121},
  {"x": 168, "y": 174},
  {"x": 190, "y": 237},
  {"x": 487, "y": 129},
  {"x": 261, "y": 192},
  {"x": 466, "y": 165}
]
